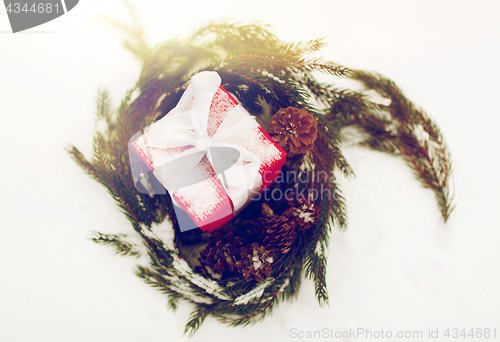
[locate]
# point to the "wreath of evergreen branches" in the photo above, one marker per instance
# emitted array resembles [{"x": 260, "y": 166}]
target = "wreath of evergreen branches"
[{"x": 265, "y": 74}]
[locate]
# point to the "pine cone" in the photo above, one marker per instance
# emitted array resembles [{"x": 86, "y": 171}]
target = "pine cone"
[
  {"x": 221, "y": 251},
  {"x": 255, "y": 262},
  {"x": 266, "y": 211},
  {"x": 295, "y": 130},
  {"x": 304, "y": 211},
  {"x": 278, "y": 232}
]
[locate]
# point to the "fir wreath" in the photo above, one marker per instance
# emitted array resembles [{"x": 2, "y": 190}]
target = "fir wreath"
[{"x": 240, "y": 272}]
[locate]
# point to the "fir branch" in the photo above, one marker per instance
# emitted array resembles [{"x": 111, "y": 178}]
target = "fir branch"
[
  {"x": 136, "y": 44},
  {"x": 250, "y": 314},
  {"x": 315, "y": 264},
  {"x": 302, "y": 48},
  {"x": 399, "y": 134},
  {"x": 317, "y": 64},
  {"x": 103, "y": 104},
  {"x": 121, "y": 247},
  {"x": 196, "y": 319},
  {"x": 81, "y": 161},
  {"x": 154, "y": 279},
  {"x": 316, "y": 269},
  {"x": 124, "y": 196},
  {"x": 172, "y": 302},
  {"x": 234, "y": 37}
]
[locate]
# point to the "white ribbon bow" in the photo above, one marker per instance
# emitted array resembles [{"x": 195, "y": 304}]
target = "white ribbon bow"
[{"x": 186, "y": 126}]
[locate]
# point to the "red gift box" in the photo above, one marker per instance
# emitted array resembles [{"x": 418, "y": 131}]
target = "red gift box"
[{"x": 204, "y": 198}]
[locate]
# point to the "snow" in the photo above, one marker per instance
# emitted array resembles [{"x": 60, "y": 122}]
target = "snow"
[
  {"x": 307, "y": 216},
  {"x": 318, "y": 250},
  {"x": 397, "y": 267},
  {"x": 255, "y": 293}
]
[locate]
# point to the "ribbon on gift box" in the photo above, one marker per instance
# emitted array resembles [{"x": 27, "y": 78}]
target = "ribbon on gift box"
[{"x": 187, "y": 126}]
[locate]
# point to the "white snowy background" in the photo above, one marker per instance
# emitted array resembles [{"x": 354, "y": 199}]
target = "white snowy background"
[{"x": 398, "y": 267}]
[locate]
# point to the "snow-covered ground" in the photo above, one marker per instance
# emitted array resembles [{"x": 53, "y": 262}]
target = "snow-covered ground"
[{"x": 397, "y": 268}]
